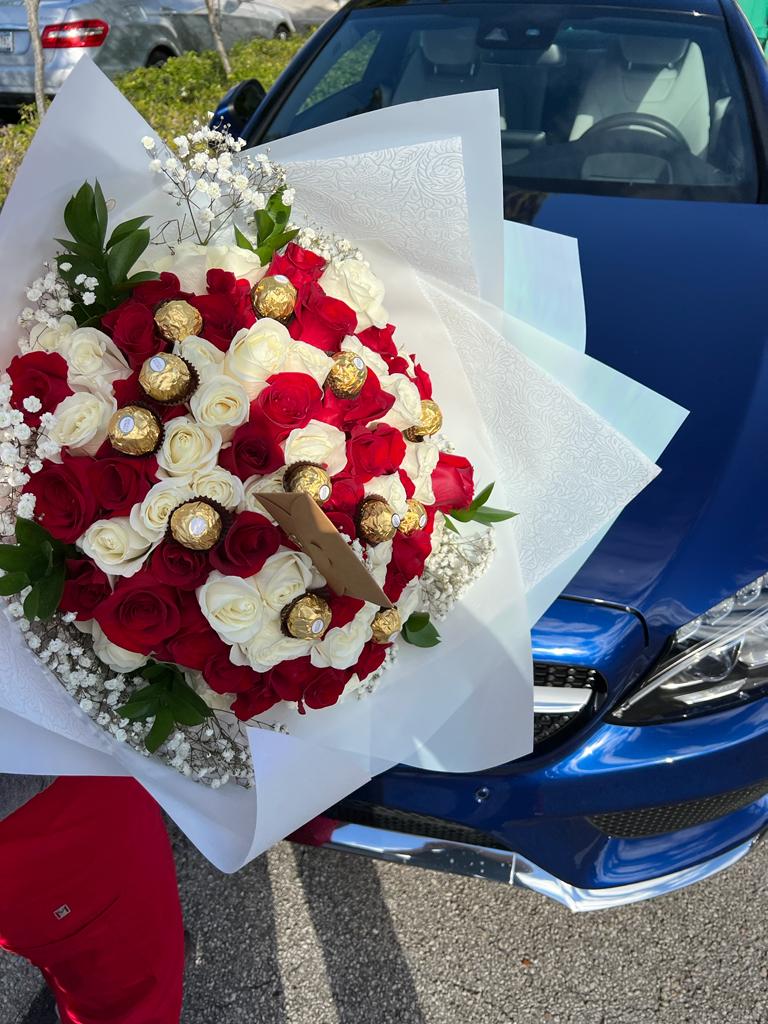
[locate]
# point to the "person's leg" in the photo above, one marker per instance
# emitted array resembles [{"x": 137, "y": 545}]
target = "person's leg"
[{"x": 88, "y": 894}]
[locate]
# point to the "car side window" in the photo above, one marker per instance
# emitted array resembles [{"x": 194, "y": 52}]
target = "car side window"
[{"x": 348, "y": 71}]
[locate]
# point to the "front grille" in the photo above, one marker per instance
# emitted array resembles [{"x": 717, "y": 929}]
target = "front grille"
[
  {"x": 654, "y": 821},
  {"x": 358, "y": 813},
  {"x": 545, "y": 727}
]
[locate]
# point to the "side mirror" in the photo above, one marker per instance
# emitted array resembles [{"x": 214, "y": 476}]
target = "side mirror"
[{"x": 238, "y": 106}]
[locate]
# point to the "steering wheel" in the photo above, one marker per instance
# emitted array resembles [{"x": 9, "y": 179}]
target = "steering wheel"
[{"x": 650, "y": 122}]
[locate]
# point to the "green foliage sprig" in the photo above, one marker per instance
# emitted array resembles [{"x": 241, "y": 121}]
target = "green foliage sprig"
[
  {"x": 419, "y": 630},
  {"x": 90, "y": 253},
  {"x": 272, "y": 231},
  {"x": 36, "y": 560},
  {"x": 168, "y": 699},
  {"x": 479, "y": 512}
]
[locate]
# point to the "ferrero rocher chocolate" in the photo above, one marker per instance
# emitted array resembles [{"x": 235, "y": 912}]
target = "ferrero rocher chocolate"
[
  {"x": 166, "y": 378},
  {"x": 177, "y": 320},
  {"x": 431, "y": 421},
  {"x": 414, "y": 519},
  {"x": 134, "y": 430},
  {"x": 309, "y": 479},
  {"x": 347, "y": 375},
  {"x": 196, "y": 525},
  {"x": 385, "y": 625},
  {"x": 377, "y": 520},
  {"x": 274, "y": 297},
  {"x": 306, "y": 618}
]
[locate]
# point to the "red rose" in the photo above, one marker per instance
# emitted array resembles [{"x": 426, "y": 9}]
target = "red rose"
[
  {"x": 409, "y": 553},
  {"x": 140, "y": 614},
  {"x": 246, "y": 546},
  {"x": 343, "y": 610},
  {"x": 422, "y": 380},
  {"x": 42, "y": 375},
  {"x": 133, "y": 331},
  {"x": 152, "y": 293},
  {"x": 453, "y": 482},
  {"x": 226, "y": 308},
  {"x": 326, "y": 688},
  {"x": 408, "y": 485},
  {"x": 256, "y": 701},
  {"x": 320, "y": 320},
  {"x": 371, "y": 658},
  {"x": 119, "y": 482},
  {"x": 374, "y": 451},
  {"x": 380, "y": 339},
  {"x": 85, "y": 587},
  {"x": 254, "y": 450},
  {"x": 344, "y": 523},
  {"x": 301, "y": 681},
  {"x": 300, "y": 266},
  {"x": 180, "y": 567},
  {"x": 224, "y": 677},
  {"x": 346, "y": 494},
  {"x": 290, "y": 400},
  {"x": 65, "y": 503},
  {"x": 372, "y": 403},
  {"x": 195, "y": 642}
]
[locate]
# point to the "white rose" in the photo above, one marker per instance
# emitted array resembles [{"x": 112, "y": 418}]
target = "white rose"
[
  {"x": 257, "y": 354},
  {"x": 419, "y": 464},
  {"x": 219, "y": 485},
  {"x": 409, "y": 600},
  {"x": 371, "y": 359},
  {"x": 232, "y": 606},
  {"x": 407, "y": 408},
  {"x": 94, "y": 360},
  {"x": 202, "y": 354},
  {"x": 189, "y": 263},
  {"x": 115, "y": 547},
  {"x": 221, "y": 402},
  {"x": 271, "y": 646},
  {"x": 117, "y": 658},
  {"x": 285, "y": 576},
  {"x": 317, "y": 442},
  {"x": 272, "y": 482},
  {"x": 377, "y": 559},
  {"x": 342, "y": 647},
  {"x": 218, "y": 701},
  {"x": 303, "y": 358},
  {"x": 241, "y": 262},
  {"x": 187, "y": 447},
  {"x": 150, "y": 518},
  {"x": 391, "y": 490},
  {"x": 52, "y": 339},
  {"x": 80, "y": 422},
  {"x": 351, "y": 281}
]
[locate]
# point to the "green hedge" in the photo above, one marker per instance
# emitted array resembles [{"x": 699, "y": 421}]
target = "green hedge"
[{"x": 169, "y": 97}]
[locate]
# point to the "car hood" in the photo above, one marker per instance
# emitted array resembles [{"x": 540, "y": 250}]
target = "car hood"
[{"x": 674, "y": 298}]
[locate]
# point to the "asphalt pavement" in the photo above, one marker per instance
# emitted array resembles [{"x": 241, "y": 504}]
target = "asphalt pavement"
[{"x": 312, "y": 937}]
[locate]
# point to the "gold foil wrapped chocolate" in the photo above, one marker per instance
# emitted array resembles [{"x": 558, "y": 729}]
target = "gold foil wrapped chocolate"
[
  {"x": 347, "y": 376},
  {"x": 386, "y": 624},
  {"x": 414, "y": 519},
  {"x": 274, "y": 297},
  {"x": 166, "y": 378},
  {"x": 377, "y": 520},
  {"x": 196, "y": 525},
  {"x": 306, "y": 618},
  {"x": 134, "y": 430},
  {"x": 177, "y": 320},
  {"x": 308, "y": 478},
  {"x": 431, "y": 421}
]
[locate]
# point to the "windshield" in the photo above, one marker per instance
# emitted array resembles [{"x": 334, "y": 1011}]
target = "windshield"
[{"x": 591, "y": 99}]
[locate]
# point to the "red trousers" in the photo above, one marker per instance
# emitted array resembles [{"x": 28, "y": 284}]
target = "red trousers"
[{"x": 88, "y": 894}]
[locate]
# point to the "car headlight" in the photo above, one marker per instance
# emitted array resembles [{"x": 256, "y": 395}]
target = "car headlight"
[{"x": 716, "y": 661}]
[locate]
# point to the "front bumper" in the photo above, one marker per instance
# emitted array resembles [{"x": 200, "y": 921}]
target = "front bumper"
[{"x": 513, "y": 869}]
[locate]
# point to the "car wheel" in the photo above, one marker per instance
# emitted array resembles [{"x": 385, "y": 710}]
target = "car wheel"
[
  {"x": 282, "y": 32},
  {"x": 158, "y": 57}
]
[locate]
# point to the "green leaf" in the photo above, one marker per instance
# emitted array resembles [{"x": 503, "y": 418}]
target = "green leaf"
[
  {"x": 264, "y": 225},
  {"x": 42, "y": 563},
  {"x": 183, "y": 693},
  {"x": 140, "y": 278},
  {"x": 242, "y": 240},
  {"x": 489, "y": 515},
  {"x": 81, "y": 217},
  {"x": 32, "y": 604},
  {"x": 482, "y": 497},
  {"x": 419, "y": 631},
  {"x": 155, "y": 670},
  {"x": 102, "y": 214},
  {"x": 88, "y": 252},
  {"x": 417, "y": 621},
  {"x": 12, "y": 583},
  {"x": 49, "y": 591},
  {"x": 267, "y": 251},
  {"x": 32, "y": 535},
  {"x": 449, "y": 525},
  {"x": 278, "y": 209},
  {"x": 124, "y": 254},
  {"x": 126, "y": 228},
  {"x": 14, "y": 558},
  {"x": 161, "y": 729}
]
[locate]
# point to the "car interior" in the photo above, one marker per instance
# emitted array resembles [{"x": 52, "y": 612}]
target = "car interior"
[{"x": 636, "y": 99}]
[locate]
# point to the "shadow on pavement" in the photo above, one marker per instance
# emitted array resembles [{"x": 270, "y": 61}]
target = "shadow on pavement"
[{"x": 362, "y": 953}]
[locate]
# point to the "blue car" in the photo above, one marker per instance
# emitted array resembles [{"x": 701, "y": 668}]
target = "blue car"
[{"x": 640, "y": 127}]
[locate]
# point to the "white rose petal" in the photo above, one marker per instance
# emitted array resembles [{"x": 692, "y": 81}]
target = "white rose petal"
[
  {"x": 150, "y": 518},
  {"x": 271, "y": 646},
  {"x": 378, "y": 557},
  {"x": 256, "y": 354},
  {"x": 221, "y": 402},
  {"x": 52, "y": 339},
  {"x": 419, "y": 464},
  {"x": 188, "y": 447},
  {"x": 219, "y": 485},
  {"x": 391, "y": 490},
  {"x": 285, "y": 576},
  {"x": 232, "y": 606},
  {"x": 409, "y": 600},
  {"x": 303, "y": 358},
  {"x": 342, "y": 647},
  {"x": 189, "y": 263},
  {"x": 80, "y": 422},
  {"x": 95, "y": 362},
  {"x": 371, "y": 359},
  {"x": 115, "y": 547},
  {"x": 317, "y": 442},
  {"x": 240, "y": 262},
  {"x": 253, "y": 485},
  {"x": 407, "y": 408},
  {"x": 202, "y": 354},
  {"x": 351, "y": 281},
  {"x": 117, "y": 658}
]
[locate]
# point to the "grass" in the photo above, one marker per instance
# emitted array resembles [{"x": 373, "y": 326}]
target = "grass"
[{"x": 169, "y": 97}]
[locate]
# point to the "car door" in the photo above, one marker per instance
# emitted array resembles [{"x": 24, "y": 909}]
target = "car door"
[{"x": 242, "y": 19}]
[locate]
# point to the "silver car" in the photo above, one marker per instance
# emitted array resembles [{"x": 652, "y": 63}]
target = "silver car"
[{"x": 119, "y": 35}]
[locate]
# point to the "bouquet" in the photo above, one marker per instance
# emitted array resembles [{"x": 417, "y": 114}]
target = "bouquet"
[{"x": 234, "y": 516}]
